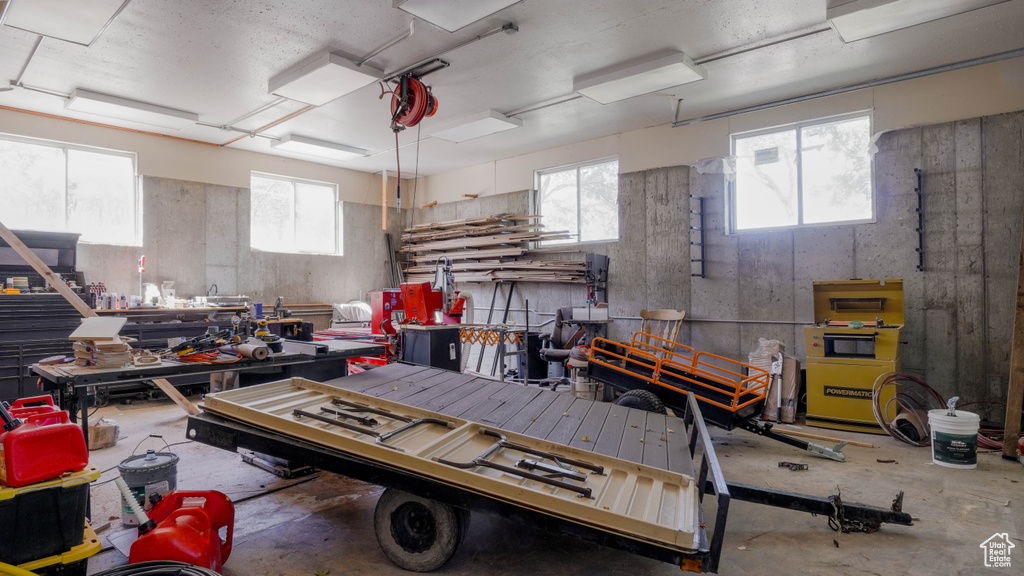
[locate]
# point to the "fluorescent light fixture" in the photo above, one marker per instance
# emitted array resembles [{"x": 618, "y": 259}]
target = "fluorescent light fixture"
[
  {"x": 482, "y": 124},
  {"x": 451, "y": 15},
  {"x": 132, "y": 110},
  {"x": 320, "y": 148},
  {"x": 858, "y": 19},
  {"x": 636, "y": 78},
  {"x": 323, "y": 78},
  {"x": 73, "y": 21}
]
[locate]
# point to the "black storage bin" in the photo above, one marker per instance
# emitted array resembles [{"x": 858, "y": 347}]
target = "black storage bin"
[{"x": 44, "y": 519}]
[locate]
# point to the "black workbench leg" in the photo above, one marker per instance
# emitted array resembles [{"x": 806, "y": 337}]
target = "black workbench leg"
[{"x": 83, "y": 406}]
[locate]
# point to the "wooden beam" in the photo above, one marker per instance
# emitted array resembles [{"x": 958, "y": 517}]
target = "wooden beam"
[
  {"x": 434, "y": 203},
  {"x": 43, "y": 270},
  {"x": 1015, "y": 392}
]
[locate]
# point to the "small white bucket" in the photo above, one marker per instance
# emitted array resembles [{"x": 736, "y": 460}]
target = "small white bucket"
[{"x": 954, "y": 438}]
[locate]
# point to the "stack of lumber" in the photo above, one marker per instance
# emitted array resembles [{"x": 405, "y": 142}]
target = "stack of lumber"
[
  {"x": 108, "y": 353},
  {"x": 487, "y": 249}
]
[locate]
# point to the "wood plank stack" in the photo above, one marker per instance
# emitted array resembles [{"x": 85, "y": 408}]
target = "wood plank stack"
[
  {"x": 488, "y": 249},
  {"x": 107, "y": 353}
]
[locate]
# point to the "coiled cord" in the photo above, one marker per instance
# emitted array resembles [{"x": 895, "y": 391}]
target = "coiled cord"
[{"x": 158, "y": 568}]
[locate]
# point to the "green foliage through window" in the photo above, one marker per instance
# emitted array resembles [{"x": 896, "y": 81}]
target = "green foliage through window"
[
  {"x": 294, "y": 216},
  {"x": 582, "y": 200},
  {"x": 809, "y": 174},
  {"x": 56, "y": 187}
]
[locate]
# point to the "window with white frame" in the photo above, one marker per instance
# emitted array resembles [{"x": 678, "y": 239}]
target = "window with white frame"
[
  {"x": 581, "y": 199},
  {"x": 57, "y": 187},
  {"x": 294, "y": 216},
  {"x": 809, "y": 174}
]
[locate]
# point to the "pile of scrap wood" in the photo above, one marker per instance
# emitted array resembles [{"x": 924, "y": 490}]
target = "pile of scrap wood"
[{"x": 487, "y": 249}]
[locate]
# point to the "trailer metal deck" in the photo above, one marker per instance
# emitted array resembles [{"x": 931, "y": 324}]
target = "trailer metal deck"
[{"x": 680, "y": 447}]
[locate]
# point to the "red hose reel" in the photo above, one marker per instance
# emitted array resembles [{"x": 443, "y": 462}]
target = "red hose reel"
[{"x": 411, "y": 102}]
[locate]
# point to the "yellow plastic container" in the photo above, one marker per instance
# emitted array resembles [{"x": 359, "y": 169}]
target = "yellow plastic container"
[{"x": 74, "y": 561}]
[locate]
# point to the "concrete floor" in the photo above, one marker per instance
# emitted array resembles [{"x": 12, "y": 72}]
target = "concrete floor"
[{"x": 325, "y": 525}]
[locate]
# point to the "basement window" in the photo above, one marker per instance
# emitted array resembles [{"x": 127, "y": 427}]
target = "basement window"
[
  {"x": 57, "y": 187},
  {"x": 294, "y": 216},
  {"x": 582, "y": 200},
  {"x": 810, "y": 174}
]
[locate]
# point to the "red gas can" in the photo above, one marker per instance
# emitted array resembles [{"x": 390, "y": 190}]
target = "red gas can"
[
  {"x": 188, "y": 529},
  {"x": 24, "y": 407},
  {"x": 42, "y": 447}
]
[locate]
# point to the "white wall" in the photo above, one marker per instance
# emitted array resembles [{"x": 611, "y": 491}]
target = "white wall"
[{"x": 977, "y": 91}]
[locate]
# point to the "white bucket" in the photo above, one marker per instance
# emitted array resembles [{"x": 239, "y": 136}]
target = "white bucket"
[{"x": 954, "y": 438}]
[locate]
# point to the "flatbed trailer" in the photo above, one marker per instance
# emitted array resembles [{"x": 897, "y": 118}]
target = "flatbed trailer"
[{"x": 678, "y": 445}]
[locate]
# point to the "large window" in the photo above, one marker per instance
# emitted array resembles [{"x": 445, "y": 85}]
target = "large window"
[
  {"x": 582, "y": 199},
  {"x": 810, "y": 174},
  {"x": 56, "y": 187},
  {"x": 294, "y": 216}
]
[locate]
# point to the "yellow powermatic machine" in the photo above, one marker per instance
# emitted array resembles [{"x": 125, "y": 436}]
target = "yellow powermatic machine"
[{"x": 855, "y": 338}]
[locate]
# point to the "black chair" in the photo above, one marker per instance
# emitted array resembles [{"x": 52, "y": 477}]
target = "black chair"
[{"x": 555, "y": 347}]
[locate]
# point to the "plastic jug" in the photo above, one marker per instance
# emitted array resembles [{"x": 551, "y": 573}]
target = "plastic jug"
[
  {"x": 188, "y": 529},
  {"x": 24, "y": 407},
  {"x": 40, "y": 447}
]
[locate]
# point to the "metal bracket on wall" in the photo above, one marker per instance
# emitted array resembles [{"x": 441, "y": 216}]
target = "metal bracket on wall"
[
  {"x": 919, "y": 190},
  {"x": 697, "y": 231}
]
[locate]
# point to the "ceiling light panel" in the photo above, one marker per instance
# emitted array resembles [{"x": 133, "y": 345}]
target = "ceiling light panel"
[
  {"x": 451, "y": 15},
  {"x": 858, "y": 19},
  {"x": 477, "y": 126},
  {"x": 131, "y": 110},
  {"x": 73, "y": 21},
  {"x": 645, "y": 77},
  {"x": 319, "y": 148},
  {"x": 324, "y": 78}
]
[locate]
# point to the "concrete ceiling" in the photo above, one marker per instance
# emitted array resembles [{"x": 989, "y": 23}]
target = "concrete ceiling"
[{"x": 215, "y": 57}]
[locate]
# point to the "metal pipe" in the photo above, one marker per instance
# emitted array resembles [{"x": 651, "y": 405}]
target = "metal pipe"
[
  {"x": 688, "y": 318},
  {"x": 854, "y": 87},
  {"x": 546, "y": 104},
  {"x": 264, "y": 108},
  {"x": 396, "y": 40},
  {"x": 255, "y": 132},
  {"x": 509, "y": 28},
  {"x": 730, "y": 52}
]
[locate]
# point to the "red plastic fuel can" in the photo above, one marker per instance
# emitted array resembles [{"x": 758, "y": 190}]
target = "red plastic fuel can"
[
  {"x": 188, "y": 530},
  {"x": 41, "y": 447},
  {"x": 24, "y": 407}
]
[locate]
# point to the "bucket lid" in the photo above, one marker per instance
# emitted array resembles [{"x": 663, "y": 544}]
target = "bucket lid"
[
  {"x": 961, "y": 416},
  {"x": 148, "y": 461}
]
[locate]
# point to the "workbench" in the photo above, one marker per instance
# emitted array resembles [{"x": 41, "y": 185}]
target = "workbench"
[{"x": 72, "y": 382}]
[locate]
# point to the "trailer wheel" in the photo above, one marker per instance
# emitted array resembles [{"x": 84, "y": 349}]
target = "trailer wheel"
[
  {"x": 416, "y": 533},
  {"x": 642, "y": 399}
]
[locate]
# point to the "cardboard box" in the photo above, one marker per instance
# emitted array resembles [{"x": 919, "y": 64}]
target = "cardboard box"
[{"x": 103, "y": 434}]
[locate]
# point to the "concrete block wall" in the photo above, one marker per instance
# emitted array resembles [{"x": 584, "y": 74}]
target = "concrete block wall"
[
  {"x": 959, "y": 310},
  {"x": 198, "y": 234}
]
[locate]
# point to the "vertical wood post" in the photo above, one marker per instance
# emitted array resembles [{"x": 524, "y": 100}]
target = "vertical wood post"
[{"x": 1015, "y": 394}]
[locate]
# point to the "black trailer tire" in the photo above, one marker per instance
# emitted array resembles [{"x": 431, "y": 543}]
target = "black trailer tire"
[
  {"x": 417, "y": 534},
  {"x": 643, "y": 400}
]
